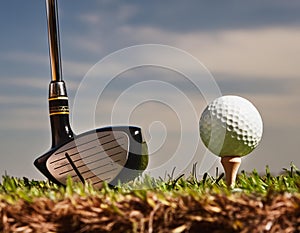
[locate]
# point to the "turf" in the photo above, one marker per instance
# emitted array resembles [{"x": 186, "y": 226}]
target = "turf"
[{"x": 259, "y": 203}]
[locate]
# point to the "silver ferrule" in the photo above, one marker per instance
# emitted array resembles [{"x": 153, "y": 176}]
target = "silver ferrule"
[{"x": 57, "y": 89}]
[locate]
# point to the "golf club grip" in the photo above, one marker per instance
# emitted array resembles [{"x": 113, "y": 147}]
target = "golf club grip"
[{"x": 54, "y": 42}]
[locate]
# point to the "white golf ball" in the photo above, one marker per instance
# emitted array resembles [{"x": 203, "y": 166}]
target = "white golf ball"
[{"x": 231, "y": 126}]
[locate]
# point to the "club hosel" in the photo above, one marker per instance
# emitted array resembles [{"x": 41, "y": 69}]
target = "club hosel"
[
  {"x": 59, "y": 113},
  {"x": 57, "y": 89}
]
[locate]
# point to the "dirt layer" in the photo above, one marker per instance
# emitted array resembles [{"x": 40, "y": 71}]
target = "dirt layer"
[{"x": 155, "y": 213}]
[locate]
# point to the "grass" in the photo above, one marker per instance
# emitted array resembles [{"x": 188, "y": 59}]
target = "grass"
[
  {"x": 180, "y": 204},
  {"x": 12, "y": 188}
]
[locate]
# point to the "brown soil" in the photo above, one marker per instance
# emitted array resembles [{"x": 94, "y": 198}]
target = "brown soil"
[{"x": 152, "y": 213}]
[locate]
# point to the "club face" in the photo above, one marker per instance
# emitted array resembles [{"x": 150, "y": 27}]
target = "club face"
[{"x": 109, "y": 154}]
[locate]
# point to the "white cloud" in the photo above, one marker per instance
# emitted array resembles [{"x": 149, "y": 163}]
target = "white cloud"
[
  {"x": 279, "y": 111},
  {"x": 41, "y": 83},
  {"x": 263, "y": 52},
  {"x": 90, "y": 18},
  {"x": 271, "y": 52},
  {"x": 18, "y": 100},
  {"x": 26, "y": 57},
  {"x": 24, "y": 118},
  {"x": 75, "y": 68},
  {"x": 125, "y": 12},
  {"x": 37, "y": 83},
  {"x": 122, "y": 12}
]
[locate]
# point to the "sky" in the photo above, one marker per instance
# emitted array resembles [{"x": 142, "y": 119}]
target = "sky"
[{"x": 164, "y": 61}]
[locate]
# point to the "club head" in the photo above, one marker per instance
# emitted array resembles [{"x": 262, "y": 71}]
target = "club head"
[{"x": 111, "y": 154}]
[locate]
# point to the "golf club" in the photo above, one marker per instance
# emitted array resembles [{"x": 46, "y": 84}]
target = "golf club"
[{"x": 112, "y": 154}]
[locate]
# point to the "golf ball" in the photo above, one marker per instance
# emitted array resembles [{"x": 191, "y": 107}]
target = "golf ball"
[{"x": 231, "y": 126}]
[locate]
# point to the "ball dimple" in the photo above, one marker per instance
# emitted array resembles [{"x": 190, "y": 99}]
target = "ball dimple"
[
  {"x": 230, "y": 122},
  {"x": 235, "y": 124},
  {"x": 239, "y": 131},
  {"x": 230, "y": 128},
  {"x": 223, "y": 119},
  {"x": 231, "y": 125}
]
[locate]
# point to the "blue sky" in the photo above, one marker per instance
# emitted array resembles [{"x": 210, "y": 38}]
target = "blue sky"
[{"x": 251, "y": 49}]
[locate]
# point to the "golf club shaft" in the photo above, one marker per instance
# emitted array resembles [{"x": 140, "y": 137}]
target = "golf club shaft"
[
  {"x": 54, "y": 41},
  {"x": 58, "y": 99}
]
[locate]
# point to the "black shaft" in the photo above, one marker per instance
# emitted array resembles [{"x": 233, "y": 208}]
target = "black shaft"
[
  {"x": 58, "y": 99},
  {"x": 54, "y": 42}
]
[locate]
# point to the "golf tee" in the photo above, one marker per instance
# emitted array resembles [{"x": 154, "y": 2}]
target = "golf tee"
[{"x": 231, "y": 166}]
